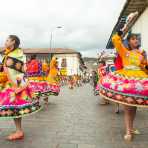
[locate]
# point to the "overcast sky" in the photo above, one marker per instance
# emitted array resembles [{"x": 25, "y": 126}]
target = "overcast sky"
[{"x": 87, "y": 24}]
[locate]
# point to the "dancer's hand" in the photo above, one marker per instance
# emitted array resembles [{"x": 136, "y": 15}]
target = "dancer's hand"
[{"x": 125, "y": 28}]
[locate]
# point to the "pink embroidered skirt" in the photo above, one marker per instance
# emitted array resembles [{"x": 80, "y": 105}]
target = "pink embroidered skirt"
[{"x": 127, "y": 87}]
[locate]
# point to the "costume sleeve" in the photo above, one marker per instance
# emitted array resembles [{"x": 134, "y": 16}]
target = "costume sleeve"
[
  {"x": 117, "y": 42},
  {"x": 12, "y": 73},
  {"x": 21, "y": 56}
]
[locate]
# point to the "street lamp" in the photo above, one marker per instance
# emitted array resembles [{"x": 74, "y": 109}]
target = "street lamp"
[{"x": 51, "y": 36}]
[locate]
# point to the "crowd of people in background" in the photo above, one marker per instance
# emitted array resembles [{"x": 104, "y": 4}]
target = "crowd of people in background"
[{"x": 73, "y": 81}]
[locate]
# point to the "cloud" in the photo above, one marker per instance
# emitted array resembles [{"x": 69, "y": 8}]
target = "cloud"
[{"x": 87, "y": 24}]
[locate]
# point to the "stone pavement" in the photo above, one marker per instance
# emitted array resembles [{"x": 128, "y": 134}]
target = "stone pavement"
[{"x": 75, "y": 120}]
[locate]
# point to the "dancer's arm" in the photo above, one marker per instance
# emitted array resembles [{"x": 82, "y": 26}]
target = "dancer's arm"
[{"x": 117, "y": 42}]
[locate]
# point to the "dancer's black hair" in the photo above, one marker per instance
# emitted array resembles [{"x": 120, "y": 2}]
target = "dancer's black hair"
[
  {"x": 16, "y": 39},
  {"x": 33, "y": 57},
  {"x": 130, "y": 36}
]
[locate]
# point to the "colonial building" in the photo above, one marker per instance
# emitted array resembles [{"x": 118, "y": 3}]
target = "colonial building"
[
  {"x": 69, "y": 61},
  {"x": 139, "y": 25}
]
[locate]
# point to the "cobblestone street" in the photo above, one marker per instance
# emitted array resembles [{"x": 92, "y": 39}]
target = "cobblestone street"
[{"x": 76, "y": 120}]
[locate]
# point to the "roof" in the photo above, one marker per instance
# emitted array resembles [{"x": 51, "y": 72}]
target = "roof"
[
  {"x": 48, "y": 50},
  {"x": 129, "y": 7},
  {"x": 51, "y": 51}
]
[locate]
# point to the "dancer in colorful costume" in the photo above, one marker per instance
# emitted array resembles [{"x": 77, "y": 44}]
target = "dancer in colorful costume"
[
  {"x": 16, "y": 99},
  {"x": 36, "y": 75},
  {"x": 102, "y": 71},
  {"x": 53, "y": 87},
  {"x": 128, "y": 86}
]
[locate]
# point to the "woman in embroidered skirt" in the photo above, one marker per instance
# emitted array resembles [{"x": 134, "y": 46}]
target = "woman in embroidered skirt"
[
  {"x": 101, "y": 72},
  {"x": 16, "y": 99},
  {"x": 36, "y": 75},
  {"x": 53, "y": 87},
  {"x": 128, "y": 86}
]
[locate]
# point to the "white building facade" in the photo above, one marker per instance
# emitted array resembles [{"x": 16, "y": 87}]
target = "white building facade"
[
  {"x": 141, "y": 27},
  {"x": 72, "y": 63}
]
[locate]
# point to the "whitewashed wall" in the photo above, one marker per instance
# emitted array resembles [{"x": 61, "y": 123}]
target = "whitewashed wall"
[
  {"x": 72, "y": 63},
  {"x": 141, "y": 26},
  {"x": 40, "y": 57}
]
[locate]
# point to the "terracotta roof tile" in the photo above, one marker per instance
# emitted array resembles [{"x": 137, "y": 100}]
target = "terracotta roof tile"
[{"x": 47, "y": 50}]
